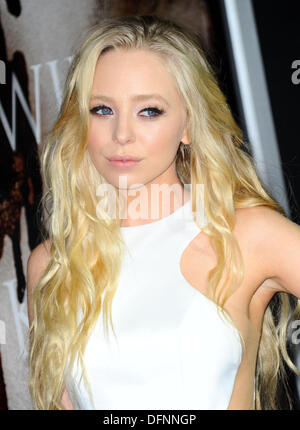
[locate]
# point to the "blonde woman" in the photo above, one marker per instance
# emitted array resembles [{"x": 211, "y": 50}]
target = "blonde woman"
[{"x": 183, "y": 309}]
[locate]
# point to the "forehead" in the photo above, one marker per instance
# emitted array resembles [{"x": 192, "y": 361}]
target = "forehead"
[{"x": 121, "y": 71}]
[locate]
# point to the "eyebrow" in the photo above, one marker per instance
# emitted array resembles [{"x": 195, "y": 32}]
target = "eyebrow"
[{"x": 138, "y": 97}]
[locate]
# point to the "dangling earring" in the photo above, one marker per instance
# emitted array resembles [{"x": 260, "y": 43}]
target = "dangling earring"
[
  {"x": 183, "y": 159},
  {"x": 184, "y": 150},
  {"x": 181, "y": 149}
]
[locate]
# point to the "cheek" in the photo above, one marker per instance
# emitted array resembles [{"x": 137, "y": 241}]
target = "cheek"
[
  {"x": 96, "y": 137},
  {"x": 164, "y": 141}
]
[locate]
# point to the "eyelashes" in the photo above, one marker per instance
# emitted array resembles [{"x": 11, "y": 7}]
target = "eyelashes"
[
  {"x": 106, "y": 111},
  {"x": 154, "y": 110}
]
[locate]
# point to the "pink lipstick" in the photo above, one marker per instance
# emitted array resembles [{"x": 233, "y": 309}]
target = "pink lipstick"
[{"x": 124, "y": 161}]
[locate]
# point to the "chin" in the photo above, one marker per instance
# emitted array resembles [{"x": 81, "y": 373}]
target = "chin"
[{"x": 125, "y": 183}]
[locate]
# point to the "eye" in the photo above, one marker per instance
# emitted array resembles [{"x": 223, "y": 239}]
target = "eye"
[
  {"x": 152, "y": 111},
  {"x": 101, "y": 110}
]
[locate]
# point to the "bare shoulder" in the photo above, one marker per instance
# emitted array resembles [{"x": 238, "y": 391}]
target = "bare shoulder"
[
  {"x": 261, "y": 229},
  {"x": 36, "y": 266},
  {"x": 272, "y": 241},
  {"x": 261, "y": 223},
  {"x": 37, "y": 262}
]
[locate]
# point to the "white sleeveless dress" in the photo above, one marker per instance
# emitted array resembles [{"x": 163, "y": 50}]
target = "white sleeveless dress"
[{"x": 173, "y": 350}]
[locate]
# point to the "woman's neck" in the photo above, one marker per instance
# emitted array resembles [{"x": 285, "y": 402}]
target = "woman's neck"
[{"x": 151, "y": 203}]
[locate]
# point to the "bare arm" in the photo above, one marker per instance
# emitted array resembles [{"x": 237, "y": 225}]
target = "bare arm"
[
  {"x": 276, "y": 241},
  {"x": 36, "y": 266}
]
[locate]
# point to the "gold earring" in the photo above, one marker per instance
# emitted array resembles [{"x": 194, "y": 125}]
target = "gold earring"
[{"x": 183, "y": 150}]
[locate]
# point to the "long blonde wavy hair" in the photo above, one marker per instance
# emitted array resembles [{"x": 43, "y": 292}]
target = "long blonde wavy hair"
[{"x": 86, "y": 250}]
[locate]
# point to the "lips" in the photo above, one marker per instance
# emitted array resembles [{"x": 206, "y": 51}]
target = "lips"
[
  {"x": 123, "y": 158},
  {"x": 124, "y": 161}
]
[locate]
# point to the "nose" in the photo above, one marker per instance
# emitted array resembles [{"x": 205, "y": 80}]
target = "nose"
[{"x": 123, "y": 129}]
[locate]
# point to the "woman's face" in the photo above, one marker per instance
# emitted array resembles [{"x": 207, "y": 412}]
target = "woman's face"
[{"x": 136, "y": 111}]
